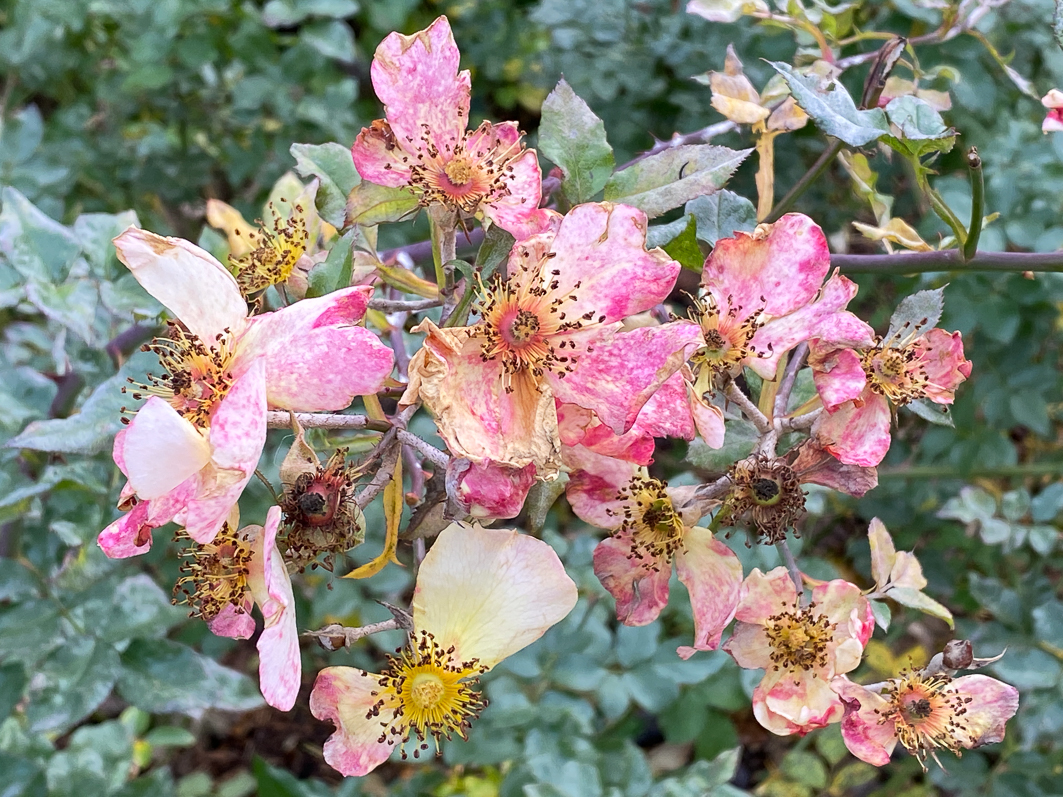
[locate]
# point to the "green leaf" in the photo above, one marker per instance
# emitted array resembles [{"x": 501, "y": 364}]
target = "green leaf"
[
  {"x": 721, "y": 215},
  {"x": 12, "y": 686},
  {"x": 170, "y": 736},
  {"x": 288, "y": 13},
  {"x": 929, "y": 411},
  {"x": 335, "y": 272},
  {"x": 684, "y": 247},
  {"x": 22, "y": 778},
  {"x": 71, "y": 683},
  {"x": 72, "y": 304},
  {"x": 134, "y": 608},
  {"x": 915, "y": 315},
  {"x": 35, "y": 245},
  {"x": 914, "y": 599},
  {"x": 805, "y": 768},
  {"x": 95, "y": 232},
  {"x": 92, "y": 429},
  {"x": 333, "y": 165},
  {"x": 493, "y": 251},
  {"x": 740, "y": 438},
  {"x": 572, "y": 137},
  {"x": 882, "y": 613},
  {"x": 833, "y": 110},
  {"x": 29, "y": 631},
  {"x": 540, "y": 498},
  {"x": 162, "y": 676},
  {"x": 370, "y": 204},
  {"x": 332, "y": 38},
  {"x": 668, "y": 179},
  {"x": 920, "y": 125},
  {"x": 16, "y": 581}
]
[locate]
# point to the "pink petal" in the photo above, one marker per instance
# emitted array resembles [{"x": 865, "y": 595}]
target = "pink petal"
[
  {"x": 708, "y": 419},
  {"x": 797, "y": 703},
  {"x": 188, "y": 281},
  {"x": 344, "y": 695},
  {"x": 667, "y": 413},
  {"x": 302, "y": 343},
  {"x": 992, "y": 704},
  {"x": 777, "y": 269},
  {"x": 594, "y": 485},
  {"x": 713, "y": 575},
  {"x": 494, "y": 492},
  {"x": 160, "y": 449},
  {"x": 941, "y": 355},
  {"x": 279, "y": 667},
  {"x": 823, "y": 317},
  {"x": 623, "y": 371},
  {"x": 815, "y": 466},
  {"x": 233, "y": 621},
  {"x": 1053, "y": 99},
  {"x": 844, "y": 605},
  {"x": 764, "y": 595},
  {"x": 640, "y": 591},
  {"x": 379, "y": 157},
  {"x": 238, "y": 434},
  {"x": 1053, "y": 121},
  {"x": 603, "y": 247},
  {"x": 489, "y": 592},
  {"x": 424, "y": 95},
  {"x": 130, "y": 535},
  {"x": 838, "y": 375},
  {"x": 865, "y": 735},
  {"x": 749, "y": 646},
  {"x": 518, "y": 211},
  {"x": 857, "y": 434}
]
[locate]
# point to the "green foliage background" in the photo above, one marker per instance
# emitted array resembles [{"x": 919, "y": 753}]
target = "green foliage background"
[{"x": 155, "y": 105}]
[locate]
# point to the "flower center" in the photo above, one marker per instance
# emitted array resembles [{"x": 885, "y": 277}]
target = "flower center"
[
  {"x": 897, "y": 374},
  {"x": 321, "y": 515},
  {"x": 195, "y": 376},
  {"x": 458, "y": 171},
  {"x": 428, "y": 695},
  {"x": 214, "y": 574},
  {"x": 799, "y": 638},
  {"x": 767, "y": 493},
  {"x": 927, "y": 713},
  {"x": 275, "y": 252},
  {"x": 727, "y": 337},
  {"x": 655, "y": 527}
]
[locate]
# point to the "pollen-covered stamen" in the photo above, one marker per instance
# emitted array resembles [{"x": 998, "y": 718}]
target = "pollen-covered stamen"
[
  {"x": 426, "y": 693},
  {"x": 648, "y": 516},
  {"x": 275, "y": 252},
  {"x": 195, "y": 376},
  {"x": 214, "y": 574},
  {"x": 728, "y": 336},
  {"x": 523, "y": 322},
  {"x": 320, "y": 514},
  {"x": 800, "y": 638},
  {"x": 896, "y": 373},
  {"x": 766, "y": 492},
  {"x": 927, "y": 713},
  {"x": 473, "y": 170}
]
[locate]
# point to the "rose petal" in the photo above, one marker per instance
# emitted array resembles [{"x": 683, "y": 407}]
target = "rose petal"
[
  {"x": 489, "y": 592},
  {"x": 713, "y": 575},
  {"x": 160, "y": 449},
  {"x": 344, "y": 696},
  {"x": 233, "y": 621},
  {"x": 749, "y": 646},
  {"x": 279, "y": 667},
  {"x": 764, "y": 595},
  {"x": 992, "y": 704},
  {"x": 797, "y": 704},
  {"x": 518, "y": 212},
  {"x": 864, "y": 733},
  {"x": 838, "y": 375},
  {"x": 941, "y": 355},
  {"x": 857, "y": 433},
  {"x": 594, "y": 485},
  {"x": 640, "y": 590},
  {"x": 380, "y": 157},
  {"x": 494, "y": 492}
]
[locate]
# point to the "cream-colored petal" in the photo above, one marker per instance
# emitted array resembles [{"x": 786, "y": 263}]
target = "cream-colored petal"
[
  {"x": 191, "y": 284},
  {"x": 489, "y": 592},
  {"x": 161, "y": 449}
]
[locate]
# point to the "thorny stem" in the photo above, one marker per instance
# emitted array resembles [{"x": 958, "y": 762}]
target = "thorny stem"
[
  {"x": 974, "y": 229},
  {"x": 799, "y": 421},
  {"x": 703, "y": 136},
  {"x": 791, "y": 564},
  {"x": 948, "y": 260},
  {"x": 438, "y": 458},
  {"x": 330, "y": 634},
  {"x": 748, "y": 408}
]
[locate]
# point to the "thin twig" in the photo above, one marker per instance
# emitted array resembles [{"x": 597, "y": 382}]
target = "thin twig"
[
  {"x": 801, "y": 185},
  {"x": 948, "y": 260},
  {"x": 402, "y": 306},
  {"x": 438, "y": 458},
  {"x": 789, "y": 377},
  {"x": 799, "y": 421},
  {"x": 314, "y": 420},
  {"x": 791, "y": 564},
  {"x": 334, "y": 636},
  {"x": 748, "y": 408},
  {"x": 383, "y": 475}
]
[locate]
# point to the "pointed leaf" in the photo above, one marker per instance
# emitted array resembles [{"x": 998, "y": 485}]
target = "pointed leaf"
[
  {"x": 939, "y": 414},
  {"x": 833, "y": 110},
  {"x": 333, "y": 165},
  {"x": 914, "y": 599},
  {"x": 684, "y": 247},
  {"x": 572, "y": 137},
  {"x": 370, "y": 204},
  {"x": 915, "y": 315},
  {"x": 722, "y": 214}
]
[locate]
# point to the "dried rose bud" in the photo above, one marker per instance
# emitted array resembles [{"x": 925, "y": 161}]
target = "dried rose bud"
[
  {"x": 958, "y": 654},
  {"x": 766, "y": 493},
  {"x": 320, "y": 513}
]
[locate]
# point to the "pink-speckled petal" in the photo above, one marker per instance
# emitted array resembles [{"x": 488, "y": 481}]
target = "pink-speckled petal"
[
  {"x": 188, "y": 281},
  {"x": 238, "y": 434},
  {"x": 838, "y": 375},
  {"x": 573, "y": 423},
  {"x": 379, "y": 157},
  {"x": 594, "y": 485},
  {"x": 234, "y": 621},
  {"x": 494, "y": 492},
  {"x": 623, "y": 371},
  {"x": 518, "y": 211},
  {"x": 279, "y": 666},
  {"x": 603, "y": 247},
  {"x": 504, "y": 136},
  {"x": 825, "y": 317},
  {"x": 1053, "y": 121},
  {"x": 866, "y": 736},
  {"x": 798, "y": 704},
  {"x": 489, "y": 592},
  {"x": 344, "y": 696},
  {"x": 765, "y": 594},
  {"x": 424, "y": 95},
  {"x": 303, "y": 344},
  {"x": 160, "y": 449},
  {"x": 130, "y": 535},
  {"x": 712, "y": 575},
  {"x": 476, "y": 415},
  {"x": 992, "y": 704},
  {"x": 941, "y": 356},
  {"x": 749, "y": 646},
  {"x": 815, "y": 466},
  {"x": 641, "y": 591},
  {"x": 844, "y": 605},
  {"x": 857, "y": 433},
  {"x": 708, "y": 419},
  {"x": 777, "y": 269}
]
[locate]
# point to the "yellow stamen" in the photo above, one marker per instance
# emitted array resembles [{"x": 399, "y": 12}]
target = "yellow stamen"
[
  {"x": 215, "y": 573},
  {"x": 799, "y": 638}
]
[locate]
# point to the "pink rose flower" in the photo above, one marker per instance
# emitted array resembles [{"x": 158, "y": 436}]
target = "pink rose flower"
[
  {"x": 801, "y": 648},
  {"x": 423, "y": 142},
  {"x": 1053, "y": 102}
]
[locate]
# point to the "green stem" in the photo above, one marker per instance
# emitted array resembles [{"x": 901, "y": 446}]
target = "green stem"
[
  {"x": 948, "y": 260},
  {"x": 945, "y": 472},
  {"x": 444, "y": 224},
  {"x": 802, "y": 185},
  {"x": 974, "y": 230}
]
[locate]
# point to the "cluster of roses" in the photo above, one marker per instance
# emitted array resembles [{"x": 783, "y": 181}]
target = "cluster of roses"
[{"x": 574, "y": 366}]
